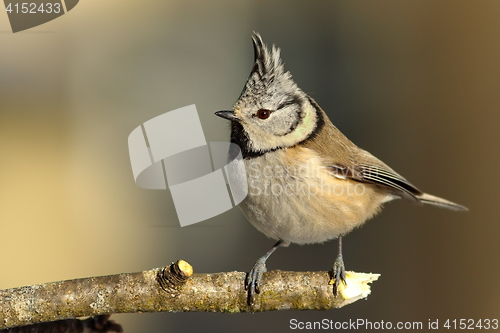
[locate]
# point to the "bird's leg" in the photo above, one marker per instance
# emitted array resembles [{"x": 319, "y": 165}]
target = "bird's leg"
[
  {"x": 338, "y": 271},
  {"x": 252, "y": 280}
]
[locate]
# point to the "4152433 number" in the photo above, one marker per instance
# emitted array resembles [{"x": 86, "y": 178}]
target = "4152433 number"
[{"x": 33, "y": 8}]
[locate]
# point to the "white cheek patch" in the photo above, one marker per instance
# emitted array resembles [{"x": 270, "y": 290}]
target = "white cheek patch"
[
  {"x": 308, "y": 123},
  {"x": 263, "y": 140}
]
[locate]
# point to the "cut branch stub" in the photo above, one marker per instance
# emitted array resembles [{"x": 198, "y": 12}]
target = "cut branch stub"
[{"x": 173, "y": 277}]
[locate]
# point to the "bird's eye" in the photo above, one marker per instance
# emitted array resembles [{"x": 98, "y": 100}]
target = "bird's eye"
[{"x": 263, "y": 113}]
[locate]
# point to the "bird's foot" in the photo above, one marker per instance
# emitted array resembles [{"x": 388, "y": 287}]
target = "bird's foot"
[
  {"x": 252, "y": 280},
  {"x": 338, "y": 274}
]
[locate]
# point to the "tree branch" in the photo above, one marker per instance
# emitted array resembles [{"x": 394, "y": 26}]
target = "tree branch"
[{"x": 172, "y": 289}]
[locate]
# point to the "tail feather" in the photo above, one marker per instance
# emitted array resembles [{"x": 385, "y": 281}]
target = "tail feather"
[{"x": 433, "y": 200}]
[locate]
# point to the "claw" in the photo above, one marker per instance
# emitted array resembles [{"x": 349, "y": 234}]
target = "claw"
[
  {"x": 252, "y": 280},
  {"x": 338, "y": 274}
]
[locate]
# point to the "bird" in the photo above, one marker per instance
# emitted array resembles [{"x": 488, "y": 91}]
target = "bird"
[{"x": 307, "y": 182}]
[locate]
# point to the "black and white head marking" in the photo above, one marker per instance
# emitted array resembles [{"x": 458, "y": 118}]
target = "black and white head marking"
[{"x": 272, "y": 111}]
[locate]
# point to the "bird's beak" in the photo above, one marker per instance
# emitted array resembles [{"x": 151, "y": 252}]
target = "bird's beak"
[{"x": 229, "y": 115}]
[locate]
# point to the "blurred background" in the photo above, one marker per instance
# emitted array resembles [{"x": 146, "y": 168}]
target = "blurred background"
[{"x": 416, "y": 83}]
